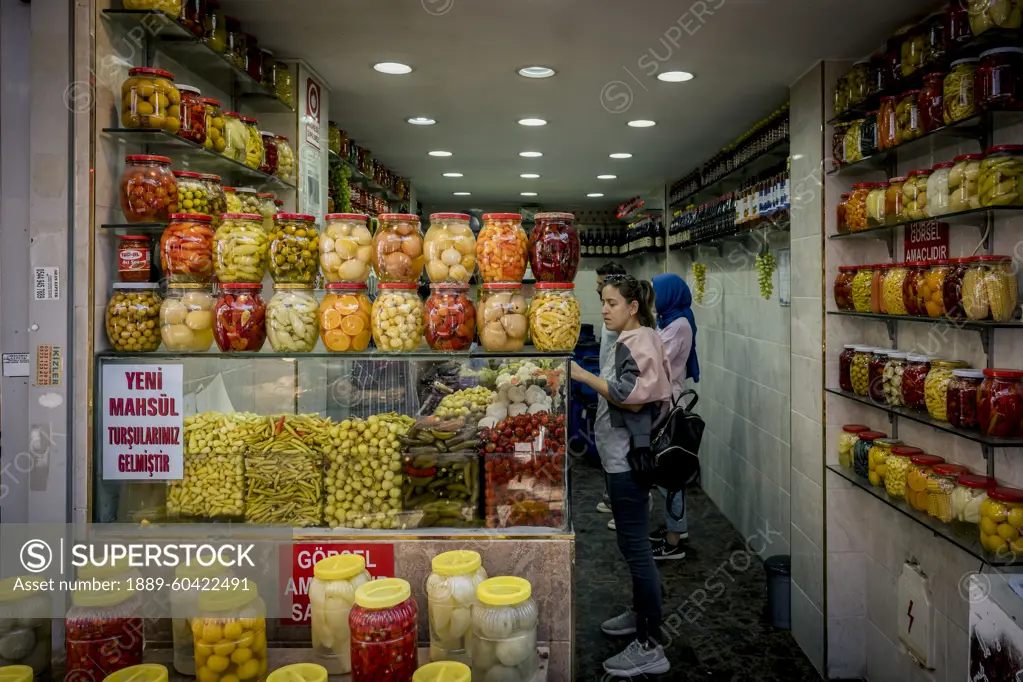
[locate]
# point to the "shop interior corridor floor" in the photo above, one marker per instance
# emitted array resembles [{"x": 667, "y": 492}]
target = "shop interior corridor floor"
[{"x": 729, "y": 640}]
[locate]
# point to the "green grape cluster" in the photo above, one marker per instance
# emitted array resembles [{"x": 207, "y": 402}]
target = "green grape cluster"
[
  {"x": 765, "y": 273},
  {"x": 700, "y": 278}
]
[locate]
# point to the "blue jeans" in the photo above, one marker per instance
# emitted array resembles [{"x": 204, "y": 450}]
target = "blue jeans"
[
  {"x": 681, "y": 526},
  {"x": 629, "y": 504}
]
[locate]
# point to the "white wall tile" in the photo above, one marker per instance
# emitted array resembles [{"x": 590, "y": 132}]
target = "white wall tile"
[
  {"x": 806, "y": 447},
  {"x": 847, "y": 585},
  {"x": 808, "y": 508},
  {"x": 847, "y": 648},
  {"x": 808, "y": 568},
  {"x": 808, "y": 627}
]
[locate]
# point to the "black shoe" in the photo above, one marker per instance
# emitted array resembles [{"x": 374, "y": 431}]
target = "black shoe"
[
  {"x": 659, "y": 535},
  {"x": 666, "y": 552}
]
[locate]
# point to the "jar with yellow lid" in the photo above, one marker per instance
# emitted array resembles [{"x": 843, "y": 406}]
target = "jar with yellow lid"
[
  {"x": 331, "y": 597},
  {"x": 230, "y": 634},
  {"x": 941, "y": 493},
  {"x": 936, "y": 386},
  {"x": 16, "y": 673},
  {"x": 554, "y": 317},
  {"x": 859, "y": 373},
  {"x": 25, "y": 626},
  {"x": 896, "y": 469},
  {"x": 969, "y": 494},
  {"x": 144, "y": 672},
  {"x": 1001, "y": 521},
  {"x": 891, "y": 290},
  {"x": 861, "y": 285},
  {"x": 103, "y": 630},
  {"x": 299, "y": 672},
  {"x": 878, "y": 458},
  {"x": 384, "y": 632},
  {"x": 443, "y": 671},
  {"x": 918, "y": 477},
  {"x": 451, "y": 595},
  {"x": 504, "y": 630},
  {"x": 190, "y": 578},
  {"x": 847, "y": 442}
]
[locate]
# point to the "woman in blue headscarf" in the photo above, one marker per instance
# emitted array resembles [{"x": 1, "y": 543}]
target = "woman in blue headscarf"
[{"x": 677, "y": 329}]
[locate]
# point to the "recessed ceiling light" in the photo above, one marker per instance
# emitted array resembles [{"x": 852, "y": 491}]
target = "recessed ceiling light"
[
  {"x": 440, "y": 153},
  {"x": 594, "y": 194},
  {"x": 532, "y": 122},
  {"x": 606, "y": 177},
  {"x": 536, "y": 72},
  {"x": 642, "y": 123},
  {"x": 529, "y": 176},
  {"x": 528, "y": 194},
  {"x": 421, "y": 121},
  {"x": 393, "y": 68},
  {"x": 620, "y": 155},
  {"x": 531, "y": 155},
  {"x": 452, "y": 175},
  {"x": 675, "y": 76},
  {"x": 462, "y": 194}
]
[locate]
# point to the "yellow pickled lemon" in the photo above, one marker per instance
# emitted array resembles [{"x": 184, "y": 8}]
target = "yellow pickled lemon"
[
  {"x": 881, "y": 471},
  {"x": 988, "y": 527},
  {"x": 206, "y": 675},
  {"x": 241, "y": 655},
  {"x": 248, "y": 623},
  {"x": 197, "y": 626},
  {"x": 246, "y": 639},
  {"x": 212, "y": 633},
  {"x": 203, "y": 649},
  {"x": 223, "y": 649},
  {"x": 1016, "y": 517},
  {"x": 233, "y": 631},
  {"x": 1007, "y": 532},
  {"x": 874, "y": 479},
  {"x": 145, "y": 91},
  {"x": 218, "y": 664},
  {"x": 997, "y": 512},
  {"x": 248, "y": 670},
  {"x": 259, "y": 646},
  {"x": 1016, "y": 546},
  {"x": 877, "y": 458},
  {"x": 229, "y": 678}
]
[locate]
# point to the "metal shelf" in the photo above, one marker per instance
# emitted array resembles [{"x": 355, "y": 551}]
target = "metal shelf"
[
  {"x": 363, "y": 180},
  {"x": 972, "y": 128},
  {"x": 971, "y": 545},
  {"x": 134, "y": 227},
  {"x": 974, "y": 217},
  {"x": 769, "y": 157},
  {"x": 779, "y": 222},
  {"x": 423, "y": 353}
]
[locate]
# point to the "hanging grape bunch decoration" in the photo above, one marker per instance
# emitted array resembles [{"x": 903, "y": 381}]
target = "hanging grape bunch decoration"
[
  {"x": 765, "y": 274},
  {"x": 700, "y": 277}
]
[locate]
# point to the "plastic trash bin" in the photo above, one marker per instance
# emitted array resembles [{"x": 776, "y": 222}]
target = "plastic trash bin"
[{"x": 779, "y": 590}]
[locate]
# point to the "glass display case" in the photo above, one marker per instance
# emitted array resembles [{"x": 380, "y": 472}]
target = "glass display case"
[{"x": 360, "y": 442}]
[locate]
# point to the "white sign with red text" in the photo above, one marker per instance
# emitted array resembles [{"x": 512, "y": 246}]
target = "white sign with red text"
[{"x": 143, "y": 422}]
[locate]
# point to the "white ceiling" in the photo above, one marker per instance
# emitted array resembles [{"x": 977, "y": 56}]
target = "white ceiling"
[{"x": 465, "y": 54}]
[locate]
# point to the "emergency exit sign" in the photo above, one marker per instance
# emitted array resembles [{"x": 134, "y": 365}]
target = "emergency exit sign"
[{"x": 926, "y": 241}]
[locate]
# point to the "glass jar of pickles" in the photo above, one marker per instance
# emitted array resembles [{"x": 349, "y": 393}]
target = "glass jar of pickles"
[
  {"x": 398, "y": 248},
  {"x": 969, "y": 494},
  {"x": 397, "y": 317},
  {"x": 959, "y": 98},
  {"x": 233, "y": 203},
  {"x": 215, "y": 140},
  {"x": 963, "y": 183},
  {"x": 911, "y": 51},
  {"x": 891, "y": 290},
  {"x": 236, "y": 43},
  {"x": 847, "y": 442},
  {"x": 961, "y": 400},
  {"x": 504, "y": 623},
  {"x": 501, "y": 317},
  {"x": 450, "y": 322},
  {"x": 1000, "y": 403},
  {"x": 877, "y": 303},
  {"x": 845, "y": 360},
  {"x": 331, "y": 596},
  {"x": 217, "y": 199},
  {"x": 911, "y": 286},
  {"x": 859, "y": 372},
  {"x": 838, "y": 144},
  {"x": 907, "y": 117},
  {"x": 240, "y": 248},
  {"x": 236, "y": 137},
  {"x": 856, "y": 211},
  {"x": 451, "y": 594},
  {"x": 936, "y": 386},
  {"x": 957, "y": 25},
  {"x": 345, "y": 317},
  {"x": 268, "y": 164},
  {"x": 149, "y": 99},
  {"x": 285, "y": 88},
  {"x": 147, "y": 188},
  {"x": 930, "y": 103},
  {"x": 502, "y": 247},
  {"x": 930, "y": 298},
  {"x": 1000, "y": 78},
  {"x": 844, "y": 287},
  {"x": 191, "y": 195},
  {"x": 861, "y": 451},
  {"x": 893, "y": 208},
  {"x": 235, "y": 620},
  {"x": 856, "y": 83},
  {"x": 887, "y": 127},
  {"x": 554, "y": 317},
  {"x": 852, "y": 141},
  {"x": 876, "y": 204},
  {"x": 989, "y": 14},
  {"x": 294, "y": 245},
  {"x": 841, "y": 97},
  {"x": 875, "y": 374},
  {"x": 346, "y": 248},
  {"x": 869, "y": 135},
  {"x": 914, "y": 194},
  {"x": 554, "y": 247},
  {"x": 450, "y": 248},
  {"x": 896, "y": 469},
  {"x": 938, "y": 190},
  {"x": 186, "y": 318},
  {"x": 103, "y": 630},
  {"x": 1000, "y": 176},
  {"x": 239, "y": 317},
  {"x": 989, "y": 289},
  {"x": 292, "y": 318},
  {"x": 918, "y": 478},
  {"x": 894, "y": 367},
  {"x": 253, "y": 143},
  {"x": 913, "y": 380},
  {"x": 191, "y": 576},
  {"x": 215, "y": 27},
  {"x": 285, "y": 159},
  {"x": 191, "y": 114},
  {"x": 384, "y": 632},
  {"x": 841, "y": 224},
  {"x": 941, "y": 487},
  {"x": 952, "y": 287},
  {"x": 132, "y": 316},
  {"x": 880, "y": 450},
  {"x": 1001, "y": 519}
]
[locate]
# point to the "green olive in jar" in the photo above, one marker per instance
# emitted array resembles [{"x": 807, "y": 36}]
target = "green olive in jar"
[
  {"x": 132, "y": 317},
  {"x": 294, "y": 249}
]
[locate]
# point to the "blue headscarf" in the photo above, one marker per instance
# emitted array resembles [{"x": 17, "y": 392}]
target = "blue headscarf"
[{"x": 674, "y": 300}]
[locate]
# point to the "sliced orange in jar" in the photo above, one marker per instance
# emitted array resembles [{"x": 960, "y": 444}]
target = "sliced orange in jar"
[
  {"x": 352, "y": 325},
  {"x": 331, "y": 318},
  {"x": 361, "y": 342},
  {"x": 347, "y": 304},
  {"x": 365, "y": 306},
  {"x": 329, "y": 300},
  {"x": 336, "y": 340}
]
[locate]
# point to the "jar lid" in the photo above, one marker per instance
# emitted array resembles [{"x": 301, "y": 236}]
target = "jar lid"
[
  {"x": 887, "y": 442},
  {"x": 848, "y": 268},
  {"x": 944, "y": 164},
  {"x": 889, "y": 98},
  {"x": 194, "y": 569},
  {"x": 939, "y": 261},
  {"x": 456, "y": 562},
  {"x": 143, "y": 158},
  {"x": 287, "y": 286},
  {"x": 872, "y": 435},
  {"x": 442, "y": 671},
  {"x": 968, "y": 60},
  {"x": 863, "y": 349},
  {"x": 880, "y": 351},
  {"x": 346, "y": 216},
  {"x": 134, "y": 237},
  {"x": 23, "y": 673},
  {"x": 136, "y": 285},
  {"x": 848, "y": 345},
  {"x": 491, "y": 286},
  {"x": 188, "y": 88},
  {"x": 897, "y": 354},
  {"x": 1004, "y": 373},
  {"x": 118, "y": 591},
  {"x": 974, "y": 480},
  {"x": 907, "y": 93},
  {"x": 382, "y": 594},
  {"x": 398, "y": 216},
  {"x": 918, "y": 358},
  {"x": 855, "y": 428},
  {"x": 450, "y": 216},
  {"x": 143, "y": 672},
  {"x": 922, "y": 171},
  {"x": 555, "y": 285},
  {"x": 458, "y": 286},
  {"x": 1005, "y": 494},
  {"x": 901, "y": 178},
  {"x": 845, "y": 196},
  {"x": 210, "y": 100},
  {"x": 935, "y": 74},
  {"x": 907, "y": 451},
  {"x": 862, "y": 185},
  {"x": 299, "y": 672},
  {"x": 278, "y": 203},
  {"x": 281, "y": 137},
  {"x": 10, "y": 592},
  {"x": 187, "y": 285},
  {"x": 267, "y": 133},
  {"x": 210, "y": 176},
  {"x": 968, "y": 373},
  {"x": 968, "y": 157},
  {"x": 247, "y": 190},
  {"x": 502, "y": 216},
  {"x": 135, "y": 70},
  {"x": 916, "y": 264},
  {"x": 265, "y": 195},
  {"x": 926, "y": 460},
  {"x": 258, "y": 286},
  {"x": 295, "y": 216},
  {"x": 232, "y": 190},
  {"x": 249, "y": 119},
  {"x": 1001, "y": 50},
  {"x": 232, "y": 114},
  {"x": 1005, "y": 148},
  {"x": 992, "y": 259},
  {"x": 240, "y": 216},
  {"x": 345, "y": 286},
  {"x": 397, "y": 285},
  {"x": 950, "y": 469},
  {"x": 554, "y": 216},
  {"x": 339, "y": 567},
  {"x": 504, "y": 591},
  {"x": 234, "y": 597},
  {"x": 200, "y": 217}
]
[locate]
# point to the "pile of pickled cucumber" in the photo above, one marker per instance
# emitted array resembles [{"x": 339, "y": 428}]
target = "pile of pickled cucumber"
[{"x": 440, "y": 471}]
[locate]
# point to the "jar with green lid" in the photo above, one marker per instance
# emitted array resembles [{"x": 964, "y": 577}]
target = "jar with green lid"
[
  {"x": 941, "y": 494},
  {"x": 989, "y": 289},
  {"x": 451, "y": 596},
  {"x": 25, "y": 628},
  {"x": 861, "y": 451},
  {"x": 847, "y": 443},
  {"x": 190, "y": 577},
  {"x": 969, "y": 494},
  {"x": 861, "y": 288},
  {"x": 331, "y": 597},
  {"x": 293, "y": 318},
  {"x": 958, "y": 97},
  {"x": 880, "y": 450},
  {"x": 1001, "y": 518},
  {"x": 920, "y": 476},
  {"x": 964, "y": 183},
  {"x": 1000, "y": 176},
  {"x": 876, "y": 204},
  {"x": 894, "y": 367},
  {"x": 860, "y": 370},
  {"x": 891, "y": 290},
  {"x": 240, "y": 248},
  {"x": 896, "y": 469},
  {"x": 936, "y": 386},
  {"x": 132, "y": 317},
  {"x": 294, "y": 248},
  {"x": 186, "y": 318},
  {"x": 914, "y": 194}
]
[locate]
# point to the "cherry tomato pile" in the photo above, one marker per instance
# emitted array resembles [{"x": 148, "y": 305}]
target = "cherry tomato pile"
[
  {"x": 98, "y": 647},
  {"x": 147, "y": 188},
  {"x": 450, "y": 318},
  {"x": 186, "y": 248},
  {"x": 554, "y": 247},
  {"x": 239, "y": 318},
  {"x": 384, "y": 643}
]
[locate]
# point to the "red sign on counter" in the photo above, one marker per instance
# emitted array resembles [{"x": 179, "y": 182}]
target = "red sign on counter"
[
  {"x": 926, "y": 241},
  {"x": 379, "y": 563}
]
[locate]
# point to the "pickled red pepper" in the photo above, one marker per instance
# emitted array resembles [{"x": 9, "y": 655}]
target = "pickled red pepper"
[
  {"x": 450, "y": 318},
  {"x": 554, "y": 247},
  {"x": 1000, "y": 403},
  {"x": 186, "y": 248},
  {"x": 239, "y": 318},
  {"x": 913, "y": 379},
  {"x": 97, "y": 647},
  {"x": 384, "y": 633}
]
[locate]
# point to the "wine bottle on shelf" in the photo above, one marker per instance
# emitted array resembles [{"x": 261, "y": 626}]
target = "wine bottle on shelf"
[
  {"x": 615, "y": 244},
  {"x": 584, "y": 243}
]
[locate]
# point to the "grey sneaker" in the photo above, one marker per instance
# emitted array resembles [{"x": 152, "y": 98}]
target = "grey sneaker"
[
  {"x": 603, "y": 507},
  {"x": 611, "y": 524},
  {"x": 638, "y": 659},
  {"x": 619, "y": 626}
]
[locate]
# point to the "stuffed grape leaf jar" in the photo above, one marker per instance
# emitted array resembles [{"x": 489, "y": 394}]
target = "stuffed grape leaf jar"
[
  {"x": 451, "y": 593},
  {"x": 384, "y": 632},
  {"x": 331, "y": 597},
  {"x": 503, "y": 643},
  {"x": 25, "y": 628},
  {"x": 554, "y": 247}
]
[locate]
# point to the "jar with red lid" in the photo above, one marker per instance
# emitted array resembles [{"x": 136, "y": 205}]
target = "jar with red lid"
[
  {"x": 969, "y": 494},
  {"x": 147, "y": 188},
  {"x": 913, "y": 381},
  {"x": 239, "y": 317},
  {"x": 930, "y": 102},
  {"x": 936, "y": 386},
  {"x": 294, "y": 245},
  {"x": 921, "y": 476},
  {"x": 847, "y": 443},
  {"x": 861, "y": 451},
  {"x": 999, "y": 171},
  {"x": 501, "y": 248},
  {"x": 450, "y": 317},
  {"x": 887, "y": 127},
  {"x": 930, "y": 298},
  {"x": 875, "y": 374},
  {"x": 450, "y": 248},
  {"x": 1000, "y": 403},
  {"x": 186, "y": 248},
  {"x": 840, "y": 221},
  {"x": 214, "y": 125},
  {"x": 1000, "y": 79},
  {"x": 957, "y": 25},
  {"x": 149, "y": 99},
  {"x": 253, "y": 58},
  {"x": 845, "y": 361},
  {"x": 1001, "y": 518},
  {"x": 896, "y": 469},
  {"x": 192, "y": 115},
  {"x": 961, "y": 399},
  {"x": 554, "y": 247},
  {"x": 269, "y": 163},
  {"x": 911, "y": 286},
  {"x": 133, "y": 258},
  {"x": 554, "y": 317},
  {"x": 843, "y": 287},
  {"x": 943, "y": 490},
  {"x": 952, "y": 288},
  {"x": 103, "y": 629},
  {"x": 398, "y": 248},
  {"x": 384, "y": 632}
]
